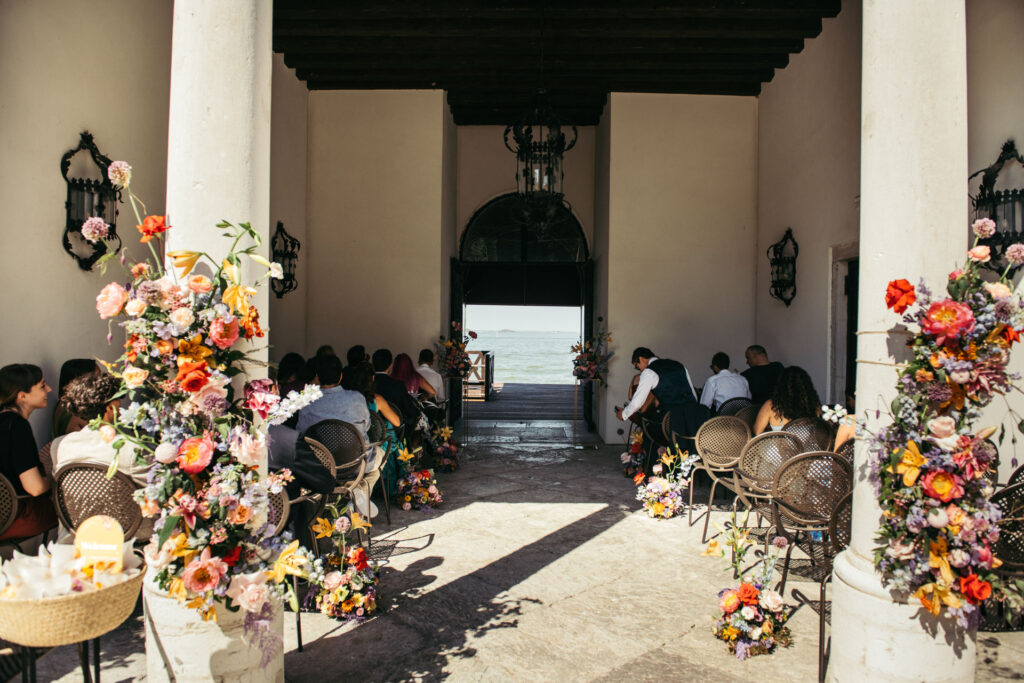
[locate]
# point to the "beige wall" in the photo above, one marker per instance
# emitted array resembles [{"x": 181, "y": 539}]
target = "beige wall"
[
  {"x": 374, "y": 216},
  {"x": 681, "y": 192},
  {"x": 67, "y": 66},
  {"x": 289, "y": 101},
  {"x": 449, "y": 220},
  {"x": 808, "y": 180}
]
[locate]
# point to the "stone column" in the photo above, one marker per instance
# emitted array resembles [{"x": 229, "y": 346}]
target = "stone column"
[
  {"x": 913, "y": 225},
  {"x": 218, "y": 150}
]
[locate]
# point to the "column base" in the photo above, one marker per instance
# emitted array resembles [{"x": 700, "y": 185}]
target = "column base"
[{"x": 875, "y": 638}]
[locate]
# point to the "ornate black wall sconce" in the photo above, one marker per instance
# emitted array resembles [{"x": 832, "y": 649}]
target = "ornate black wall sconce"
[
  {"x": 87, "y": 198},
  {"x": 284, "y": 250},
  {"x": 1005, "y": 207},
  {"x": 782, "y": 257}
]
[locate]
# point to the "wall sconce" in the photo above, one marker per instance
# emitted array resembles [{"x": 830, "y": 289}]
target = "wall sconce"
[
  {"x": 782, "y": 257},
  {"x": 87, "y": 198},
  {"x": 284, "y": 250},
  {"x": 1005, "y": 207}
]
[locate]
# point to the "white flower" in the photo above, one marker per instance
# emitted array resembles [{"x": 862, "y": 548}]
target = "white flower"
[
  {"x": 937, "y": 518},
  {"x": 770, "y": 600},
  {"x": 166, "y": 452},
  {"x": 120, "y": 173},
  {"x": 748, "y": 613},
  {"x": 276, "y": 271},
  {"x": 755, "y": 633},
  {"x": 833, "y": 413},
  {"x": 108, "y": 433},
  {"x": 182, "y": 317},
  {"x": 134, "y": 307}
]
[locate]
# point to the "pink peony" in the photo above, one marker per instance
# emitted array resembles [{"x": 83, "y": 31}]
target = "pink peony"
[
  {"x": 941, "y": 485},
  {"x": 980, "y": 254},
  {"x": 984, "y": 227},
  {"x": 204, "y": 572},
  {"x": 94, "y": 229},
  {"x": 249, "y": 591},
  {"x": 110, "y": 300},
  {"x": 224, "y": 331},
  {"x": 947, "y": 318},
  {"x": 195, "y": 454},
  {"x": 248, "y": 449}
]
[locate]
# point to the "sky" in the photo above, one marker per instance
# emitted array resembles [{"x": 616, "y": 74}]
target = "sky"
[{"x": 523, "y": 318}]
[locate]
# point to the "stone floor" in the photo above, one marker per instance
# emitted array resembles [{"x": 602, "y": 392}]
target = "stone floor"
[{"x": 538, "y": 566}]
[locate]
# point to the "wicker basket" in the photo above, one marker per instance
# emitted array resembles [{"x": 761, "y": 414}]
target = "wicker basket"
[{"x": 65, "y": 619}]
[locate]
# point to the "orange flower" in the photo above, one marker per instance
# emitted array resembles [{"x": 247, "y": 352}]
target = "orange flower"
[
  {"x": 942, "y": 485},
  {"x": 192, "y": 376},
  {"x": 974, "y": 589},
  {"x": 924, "y": 376},
  {"x": 899, "y": 294},
  {"x": 639, "y": 478},
  {"x": 1011, "y": 335},
  {"x": 164, "y": 347},
  {"x": 729, "y": 601},
  {"x": 152, "y": 225},
  {"x": 748, "y": 593}
]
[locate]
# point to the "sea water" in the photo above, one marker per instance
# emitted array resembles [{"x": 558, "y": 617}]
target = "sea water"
[{"x": 528, "y": 357}]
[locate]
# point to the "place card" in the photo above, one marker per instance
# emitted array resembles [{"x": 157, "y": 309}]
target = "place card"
[{"x": 100, "y": 542}]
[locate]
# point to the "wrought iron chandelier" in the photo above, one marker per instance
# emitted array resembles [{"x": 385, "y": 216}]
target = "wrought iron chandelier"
[
  {"x": 539, "y": 143},
  {"x": 1005, "y": 207}
]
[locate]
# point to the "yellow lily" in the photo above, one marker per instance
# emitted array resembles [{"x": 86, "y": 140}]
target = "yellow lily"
[
  {"x": 288, "y": 562},
  {"x": 231, "y": 271},
  {"x": 208, "y": 614},
  {"x": 260, "y": 260},
  {"x": 184, "y": 259},
  {"x": 713, "y": 549},
  {"x": 193, "y": 351},
  {"x": 181, "y": 548},
  {"x": 446, "y": 432},
  {"x": 177, "y": 590},
  {"x": 668, "y": 458},
  {"x": 910, "y": 465},
  {"x": 404, "y": 455},
  {"x": 236, "y": 297},
  {"x": 358, "y": 522},
  {"x": 939, "y": 559},
  {"x": 323, "y": 528},
  {"x": 934, "y": 595}
]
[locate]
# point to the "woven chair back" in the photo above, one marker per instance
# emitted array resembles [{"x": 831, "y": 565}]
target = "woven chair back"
[
  {"x": 720, "y": 441},
  {"x": 8, "y": 505},
  {"x": 342, "y": 440},
  {"x": 1010, "y": 546},
  {"x": 378, "y": 430},
  {"x": 278, "y": 508},
  {"x": 762, "y": 456},
  {"x": 733, "y": 406},
  {"x": 323, "y": 454},
  {"x": 1017, "y": 477},
  {"x": 82, "y": 490},
  {"x": 840, "y": 524},
  {"x": 749, "y": 414},
  {"x": 845, "y": 450},
  {"x": 808, "y": 487},
  {"x": 666, "y": 427},
  {"x": 813, "y": 432}
]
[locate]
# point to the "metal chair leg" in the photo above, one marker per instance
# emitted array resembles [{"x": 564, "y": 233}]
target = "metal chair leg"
[
  {"x": 298, "y": 612},
  {"x": 821, "y": 629},
  {"x": 387, "y": 500},
  {"x": 785, "y": 568},
  {"x": 96, "y": 660},
  {"x": 28, "y": 665},
  {"x": 707, "y": 514},
  {"x": 692, "y": 476}
]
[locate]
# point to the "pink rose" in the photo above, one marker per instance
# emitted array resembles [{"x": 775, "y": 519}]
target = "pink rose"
[
  {"x": 110, "y": 300},
  {"x": 165, "y": 453},
  {"x": 249, "y": 591},
  {"x": 248, "y": 449},
  {"x": 956, "y": 274},
  {"x": 960, "y": 376},
  {"x": 332, "y": 581},
  {"x": 200, "y": 284},
  {"x": 224, "y": 331},
  {"x": 135, "y": 307},
  {"x": 941, "y": 427},
  {"x": 998, "y": 290},
  {"x": 204, "y": 572},
  {"x": 980, "y": 254},
  {"x": 134, "y": 377},
  {"x": 983, "y": 556}
]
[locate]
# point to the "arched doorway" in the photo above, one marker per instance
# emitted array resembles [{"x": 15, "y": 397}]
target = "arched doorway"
[{"x": 524, "y": 253}]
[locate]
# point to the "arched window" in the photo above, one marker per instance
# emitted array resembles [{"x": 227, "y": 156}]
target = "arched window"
[{"x": 509, "y": 229}]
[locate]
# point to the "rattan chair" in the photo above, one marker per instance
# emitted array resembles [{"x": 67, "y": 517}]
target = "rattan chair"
[
  {"x": 1010, "y": 546},
  {"x": 1016, "y": 477},
  {"x": 815, "y": 434},
  {"x": 733, "y": 406},
  {"x": 82, "y": 490},
  {"x": 8, "y": 506},
  {"x": 755, "y": 472},
  {"x": 339, "y": 446},
  {"x": 719, "y": 442},
  {"x": 839, "y": 528},
  {"x": 846, "y": 449}
]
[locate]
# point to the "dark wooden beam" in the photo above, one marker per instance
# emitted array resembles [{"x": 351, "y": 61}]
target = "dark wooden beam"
[
  {"x": 400, "y": 62},
  {"x": 467, "y": 115}
]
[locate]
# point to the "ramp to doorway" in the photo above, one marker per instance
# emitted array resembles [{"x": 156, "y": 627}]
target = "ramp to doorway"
[{"x": 525, "y": 402}]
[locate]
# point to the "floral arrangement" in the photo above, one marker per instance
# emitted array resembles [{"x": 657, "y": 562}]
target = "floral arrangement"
[
  {"x": 418, "y": 489},
  {"x": 345, "y": 578},
  {"x": 212, "y": 541},
  {"x": 453, "y": 360},
  {"x": 930, "y": 465},
  {"x": 592, "y": 356},
  {"x": 447, "y": 450},
  {"x": 662, "y": 494},
  {"x": 632, "y": 459},
  {"x": 753, "y": 618}
]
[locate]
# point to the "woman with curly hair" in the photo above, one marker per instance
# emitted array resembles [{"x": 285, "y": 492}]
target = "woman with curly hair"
[{"x": 794, "y": 397}]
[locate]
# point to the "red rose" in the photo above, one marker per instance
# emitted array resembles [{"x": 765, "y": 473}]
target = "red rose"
[
  {"x": 899, "y": 294},
  {"x": 748, "y": 593},
  {"x": 193, "y": 376},
  {"x": 974, "y": 589},
  {"x": 357, "y": 558},
  {"x": 152, "y": 225},
  {"x": 232, "y": 557}
]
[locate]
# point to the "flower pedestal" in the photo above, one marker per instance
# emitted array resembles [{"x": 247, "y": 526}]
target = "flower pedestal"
[{"x": 180, "y": 646}]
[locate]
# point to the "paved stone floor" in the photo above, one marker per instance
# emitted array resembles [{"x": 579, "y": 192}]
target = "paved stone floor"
[{"x": 539, "y": 566}]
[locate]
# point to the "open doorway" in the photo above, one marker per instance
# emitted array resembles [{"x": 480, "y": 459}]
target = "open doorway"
[{"x": 843, "y": 330}]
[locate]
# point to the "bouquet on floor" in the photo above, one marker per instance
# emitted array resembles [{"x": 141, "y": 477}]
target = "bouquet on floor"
[
  {"x": 662, "y": 493},
  {"x": 753, "y": 618},
  {"x": 345, "y": 579},
  {"x": 592, "y": 356},
  {"x": 447, "y": 459},
  {"x": 453, "y": 359},
  {"x": 932, "y": 467},
  {"x": 418, "y": 489},
  {"x": 632, "y": 459},
  {"x": 213, "y": 542}
]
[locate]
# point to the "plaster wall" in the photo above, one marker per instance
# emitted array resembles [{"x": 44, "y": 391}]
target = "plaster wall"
[
  {"x": 374, "y": 216},
  {"x": 602, "y": 171},
  {"x": 449, "y": 221},
  {"x": 289, "y": 104},
  {"x": 681, "y": 231},
  {"x": 56, "y": 81}
]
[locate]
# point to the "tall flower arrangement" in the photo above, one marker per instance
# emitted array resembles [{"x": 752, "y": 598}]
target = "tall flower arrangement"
[
  {"x": 453, "y": 360},
  {"x": 592, "y": 355},
  {"x": 662, "y": 493},
  {"x": 931, "y": 465},
  {"x": 212, "y": 542},
  {"x": 447, "y": 456},
  {"x": 345, "y": 578}
]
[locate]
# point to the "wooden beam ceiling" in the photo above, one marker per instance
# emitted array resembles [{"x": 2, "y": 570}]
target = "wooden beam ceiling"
[{"x": 492, "y": 58}]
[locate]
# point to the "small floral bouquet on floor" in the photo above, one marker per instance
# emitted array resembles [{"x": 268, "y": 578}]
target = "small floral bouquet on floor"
[
  {"x": 345, "y": 579},
  {"x": 632, "y": 459},
  {"x": 453, "y": 360},
  {"x": 447, "y": 450},
  {"x": 418, "y": 489},
  {"x": 662, "y": 494},
  {"x": 753, "y": 618},
  {"x": 592, "y": 355}
]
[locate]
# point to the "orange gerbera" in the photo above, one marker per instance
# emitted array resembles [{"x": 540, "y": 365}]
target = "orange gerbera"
[{"x": 152, "y": 226}]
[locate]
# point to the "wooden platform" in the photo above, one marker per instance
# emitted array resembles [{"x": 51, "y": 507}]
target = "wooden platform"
[{"x": 525, "y": 402}]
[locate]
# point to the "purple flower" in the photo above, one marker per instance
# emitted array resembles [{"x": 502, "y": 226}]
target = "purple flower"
[
  {"x": 94, "y": 229},
  {"x": 984, "y": 227},
  {"x": 1015, "y": 254},
  {"x": 939, "y": 393}
]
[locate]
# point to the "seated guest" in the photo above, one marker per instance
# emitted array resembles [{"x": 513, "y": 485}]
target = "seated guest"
[
  {"x": 325, "y": 350},
  {"x": 356, "y": 355},
  {"x": 762, "y": 374},
  {"x": 723, "y": 384},
  {"x": 63, "y": 421},
  {"x": 286, "y": 451},
  {"x": 433, "y": 376},
  {"x": 794, "y": 397},
  {"x": 393, "y": 391},
  {"x": 291, "y": 373},
  {"x": 22, "y": 392},
  {"x": 404, "y": 371},
  {"x": 87, "y": 398},
  {"x": 337, "y": 403}
]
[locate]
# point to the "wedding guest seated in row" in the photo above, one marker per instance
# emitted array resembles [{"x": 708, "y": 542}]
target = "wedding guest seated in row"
[
  {"x": 87, "y": 398},
  {"x": 337, "y": 403},
  {"x": 794, "y": 397},
  {"x": 426, "y": 362},
  {"x": 762, "y": 373},
  {"x": 392, "y": 390},
  {"x": 23, "y": 390},
  {"x": 63, "y": 421},
  {"x": 356, "y": 355},
  {"x": 362, "y": 379},
  {"x": 405, "y": 372},
  {"x": 325, "y": 350},
  {"x": 723, "y": 384},
  {"x": 291, "y": 373}
]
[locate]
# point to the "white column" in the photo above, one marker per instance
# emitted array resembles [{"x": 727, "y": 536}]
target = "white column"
[
  {"x": 218, "y": 149},
  {"x": 913, "y": 225}
]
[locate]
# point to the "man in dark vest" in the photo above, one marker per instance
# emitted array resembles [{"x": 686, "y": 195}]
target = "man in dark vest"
[{"x": 670, "y": 383}]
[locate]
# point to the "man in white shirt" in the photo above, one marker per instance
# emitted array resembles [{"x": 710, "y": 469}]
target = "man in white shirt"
[
  {"x": 431, "y": 375},
  {"x": 723, "y": 384}
]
